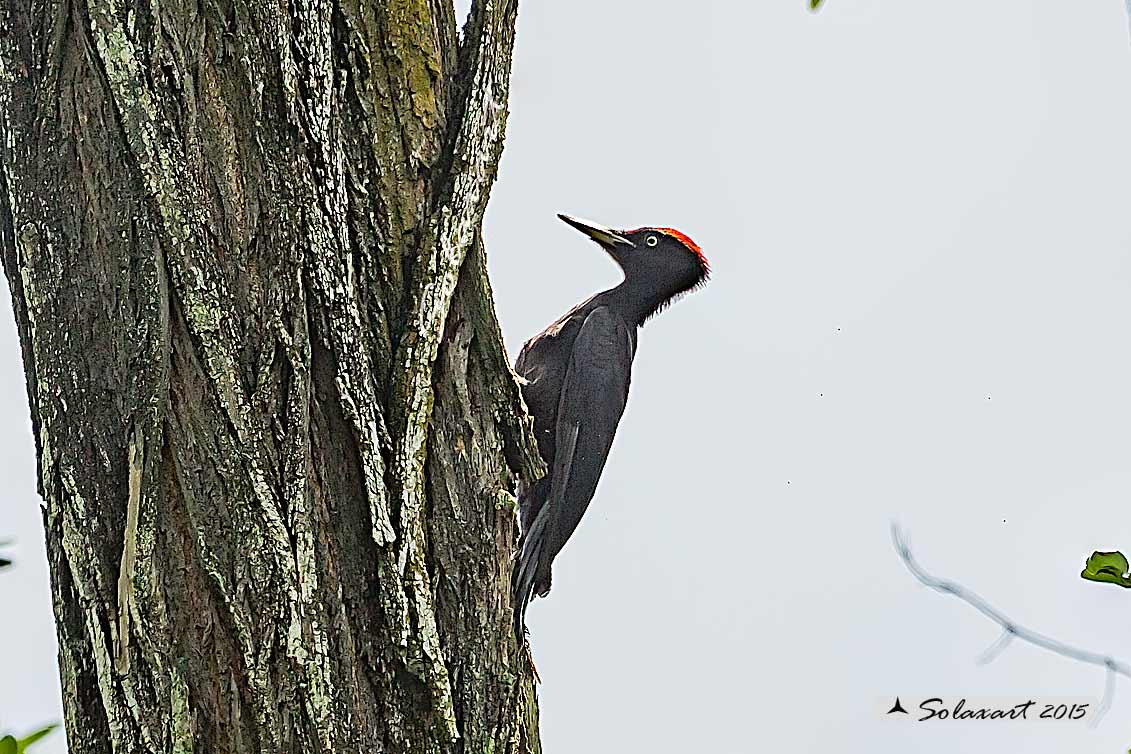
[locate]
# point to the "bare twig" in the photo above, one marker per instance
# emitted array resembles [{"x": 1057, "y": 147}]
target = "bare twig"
[
  {"x": 1010, "y": 629},
  {"x": 996, "y": 648}
]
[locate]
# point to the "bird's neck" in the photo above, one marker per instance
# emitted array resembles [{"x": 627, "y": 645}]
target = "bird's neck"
[{"x": 632, "y": 302}]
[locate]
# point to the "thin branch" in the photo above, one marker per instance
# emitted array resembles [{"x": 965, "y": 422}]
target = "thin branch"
[
  {"x": 996, "y": 648},
  {"x": 1108, "y": 697},
  {"x": 1008, "y": 627}
]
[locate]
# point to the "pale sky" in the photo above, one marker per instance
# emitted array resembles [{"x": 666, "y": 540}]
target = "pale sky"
[{"x": 916, "y": 214}]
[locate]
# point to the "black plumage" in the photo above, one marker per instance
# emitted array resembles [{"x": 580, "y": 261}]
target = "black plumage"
[{"x": 576, "y": 375}]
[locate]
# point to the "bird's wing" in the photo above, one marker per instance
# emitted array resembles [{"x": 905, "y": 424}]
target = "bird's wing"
[{"x": 593, "y": 397}]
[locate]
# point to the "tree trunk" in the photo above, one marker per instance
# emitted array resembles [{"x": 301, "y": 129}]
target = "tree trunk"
[{"x": 276, "y": 429}]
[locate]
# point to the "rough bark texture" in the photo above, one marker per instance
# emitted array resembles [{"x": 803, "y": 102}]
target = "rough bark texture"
[{"x": 275, "y": 425}]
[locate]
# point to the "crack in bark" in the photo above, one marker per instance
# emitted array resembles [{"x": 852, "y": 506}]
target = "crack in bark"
[{"x": 129, "y": 551}]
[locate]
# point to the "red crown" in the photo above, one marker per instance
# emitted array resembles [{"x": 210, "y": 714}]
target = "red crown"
[{"x": 685, "y": 239}]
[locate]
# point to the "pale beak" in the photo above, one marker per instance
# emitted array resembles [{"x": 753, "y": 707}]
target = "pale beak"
[{"x": 599, "y": 233}]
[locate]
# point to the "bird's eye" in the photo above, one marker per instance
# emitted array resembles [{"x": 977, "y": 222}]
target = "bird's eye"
[{"x": 651, "y": 241}]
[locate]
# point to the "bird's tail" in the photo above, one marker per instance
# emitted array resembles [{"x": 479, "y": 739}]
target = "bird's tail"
[{"x": 526, "y": 571}]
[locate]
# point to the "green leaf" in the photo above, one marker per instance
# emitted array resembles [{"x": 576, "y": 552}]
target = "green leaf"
[
  {"x": 9, "y": 745},
  {"x": 4, "y": 562},
  {"x": 26, "y": 741},
  {"x": 1108, "y": 567},
  {"x": 815, "y": 4}
]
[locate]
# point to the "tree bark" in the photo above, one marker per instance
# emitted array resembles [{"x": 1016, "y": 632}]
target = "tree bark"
[{"x": 276, "y": 429}]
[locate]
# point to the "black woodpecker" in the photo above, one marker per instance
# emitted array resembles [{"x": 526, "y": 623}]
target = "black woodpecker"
[{"x": 575, "y": 377}]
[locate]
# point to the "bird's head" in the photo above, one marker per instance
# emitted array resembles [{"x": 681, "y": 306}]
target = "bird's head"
[{"x": 661, "y": 263}]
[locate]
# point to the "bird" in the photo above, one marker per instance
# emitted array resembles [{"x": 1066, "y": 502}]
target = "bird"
[{"x": 574, "y": 378}]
